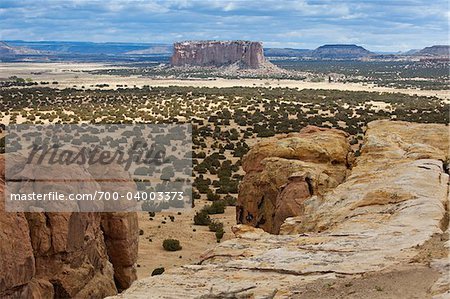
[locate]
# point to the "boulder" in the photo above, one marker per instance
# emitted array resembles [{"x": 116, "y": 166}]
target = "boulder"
[
  {"x": 284, "y": 171},
  {"x": 395, "y": 158}
]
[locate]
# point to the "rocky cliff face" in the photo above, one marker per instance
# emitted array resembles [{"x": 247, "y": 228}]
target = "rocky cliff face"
[
  {"x": 387, "y": 219},
  {"x": 65, "y": 255},
  {"x": 283, "y": 172},
  {"x": 246, "y": 54}
]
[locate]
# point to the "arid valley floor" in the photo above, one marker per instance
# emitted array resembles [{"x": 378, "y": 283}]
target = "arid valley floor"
[{"x": 229, "y": 117}]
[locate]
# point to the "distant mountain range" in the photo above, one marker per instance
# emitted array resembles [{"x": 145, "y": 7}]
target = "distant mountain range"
[
  {"x": 71, "y": 50},
  {"x": 153, "y": 50},
  {"x": 438, "y": 50},
  {"x": 6, "y": 50},
  {"x": 340, "y": 51},
  {"x": 350, "y": 51},
  {"x": 336, "y": 51},
  {"x": 286, "y": 52},
  {"x": 89, "y": 48}
]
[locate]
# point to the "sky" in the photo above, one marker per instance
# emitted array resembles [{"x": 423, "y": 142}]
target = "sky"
[{"x": 378, "y": 25}]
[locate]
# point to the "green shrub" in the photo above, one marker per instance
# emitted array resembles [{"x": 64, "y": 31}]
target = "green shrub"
[
  {"x": 219, "y": 235},
  {"x": 212, "y": 196},
  {"x": 158, "y": 271},
  {"x": 230, "y": 200},
  {"x": 214, "y": 226},
  {"x": 217, "y": 207},
  {"x": 171, "y": 245},
  {"x": 202, "y": 218}
]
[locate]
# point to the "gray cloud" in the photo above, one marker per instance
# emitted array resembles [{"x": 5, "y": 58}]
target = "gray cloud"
[{"x": 377, "y": 24}]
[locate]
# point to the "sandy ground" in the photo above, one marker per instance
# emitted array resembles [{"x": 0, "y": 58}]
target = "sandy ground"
[
  {"x": 194, "y": 243},
  {"x": 70, "y": 74},
  {"x": 404, "y": 282}
]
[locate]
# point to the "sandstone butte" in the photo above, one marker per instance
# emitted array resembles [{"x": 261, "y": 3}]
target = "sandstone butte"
[
  {"x": 352, "y": 218},
  {"x": 246, "y": 54},
  {"x": 65, "y": 255}
]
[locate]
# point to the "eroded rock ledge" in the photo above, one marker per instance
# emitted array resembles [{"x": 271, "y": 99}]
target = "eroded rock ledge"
[
  {"x": 282, "y": 172},
  {"x": 65, "y": 255},
  {"x": 376, "y": 221}
]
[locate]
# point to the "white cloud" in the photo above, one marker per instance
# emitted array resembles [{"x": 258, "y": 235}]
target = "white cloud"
[{"x": 379, "y": 24}]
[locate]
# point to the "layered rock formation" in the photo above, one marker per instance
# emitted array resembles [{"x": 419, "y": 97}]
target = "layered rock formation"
[
  {"x": 246, "y": 54},
  {"x": 387, "y": 217},
  {"x": 65, "y": 255},
  {"x": 282, "y": 173}
]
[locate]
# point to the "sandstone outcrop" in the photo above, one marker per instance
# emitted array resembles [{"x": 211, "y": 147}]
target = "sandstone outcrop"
[
  {"x": 121, "y": 231},
  {"x": 64, "y": 255},
  {"x": 283, "y": 172},
  {"x": 246, "y": 54},
  {"x": 393, "y": 153},
  {"x": 379, "y": 219}
]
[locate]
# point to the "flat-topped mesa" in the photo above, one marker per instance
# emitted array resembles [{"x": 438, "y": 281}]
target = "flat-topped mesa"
[
  {"x": 246, "y": 54},
  {"x": 341, "y": 51}
]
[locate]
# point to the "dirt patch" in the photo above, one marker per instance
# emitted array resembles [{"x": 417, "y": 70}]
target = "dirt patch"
[
  {"x": 432, "y": 249},
  {"x": 413, "y": 281},
  {"x": 194, "y": 243}
]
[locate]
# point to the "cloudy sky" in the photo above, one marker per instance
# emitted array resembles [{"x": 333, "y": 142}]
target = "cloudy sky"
[{"x": 379, "y": 25}]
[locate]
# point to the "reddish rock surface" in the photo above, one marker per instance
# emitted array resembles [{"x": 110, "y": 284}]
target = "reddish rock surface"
[
  {"x": 65, "y": 255},
  {"x": 121, "y": 234},
  {"x": 246, "y": 54},
  {"x": 282, "y": 172}
]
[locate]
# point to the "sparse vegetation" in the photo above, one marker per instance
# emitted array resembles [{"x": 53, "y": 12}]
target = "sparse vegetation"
[
  {"x": 220, "y": 140},
  {"x": 217, "y": 207},
  {"x": 171, "y": 245},
  {"x": 158, "y": 271},
  {"x": 202, "y": 218},
  {"x": 219, "y": 235},
  {"x": 215, "y": 226}
]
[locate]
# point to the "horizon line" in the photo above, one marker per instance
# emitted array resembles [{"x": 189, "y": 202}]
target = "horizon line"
[{"x": 218, "y": 40}]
